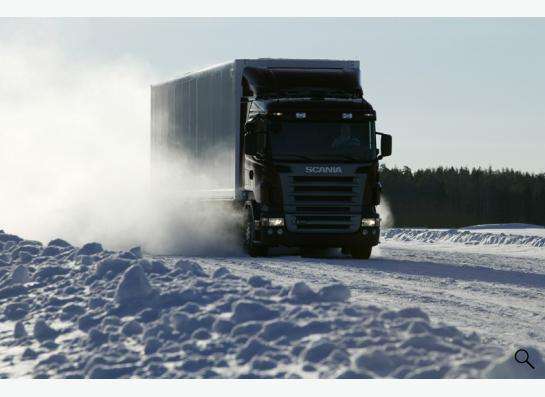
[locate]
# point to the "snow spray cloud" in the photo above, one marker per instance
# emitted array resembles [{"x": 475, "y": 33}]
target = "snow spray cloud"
[
  {"x": 74, "y": 157},
  {"x": 386, "y": 216},
  {"x": 184, "y": 222}
]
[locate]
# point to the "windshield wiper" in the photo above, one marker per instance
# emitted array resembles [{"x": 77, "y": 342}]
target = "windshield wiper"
[
  {"x": 321, "y": 157},
  {"x": 297, "y": 156},
  {"x": 345, "y": 157}
]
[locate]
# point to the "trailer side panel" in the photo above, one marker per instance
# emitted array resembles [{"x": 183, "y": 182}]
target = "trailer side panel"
[{"x": 193, "y": 127}]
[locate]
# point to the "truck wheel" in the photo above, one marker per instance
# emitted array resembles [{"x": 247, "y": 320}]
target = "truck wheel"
[
  {"x": 362, "y": 251},
  {"x": 250, "y": 246}
]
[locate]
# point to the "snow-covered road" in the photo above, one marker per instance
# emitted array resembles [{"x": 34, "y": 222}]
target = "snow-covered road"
[
  {"x": 497, "y": 290},
  {"x": 430, "y": 303}
]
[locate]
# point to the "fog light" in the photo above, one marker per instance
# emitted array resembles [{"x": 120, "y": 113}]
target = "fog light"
[
  {"x": 370, "y": 222},
  {"x": 300, "y": 115},
  {"x": 270, "y": 232},
  {"x": 272, "y": 222},
  {"x": 364, "y": 232},
  {"x": 280, "y": 232}
]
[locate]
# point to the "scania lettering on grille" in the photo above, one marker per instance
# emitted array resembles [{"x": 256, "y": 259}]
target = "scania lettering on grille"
[{"x": 323, "y": 170}]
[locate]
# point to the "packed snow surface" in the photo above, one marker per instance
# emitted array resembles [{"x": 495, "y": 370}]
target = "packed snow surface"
[{"x": 421, "y": 307}]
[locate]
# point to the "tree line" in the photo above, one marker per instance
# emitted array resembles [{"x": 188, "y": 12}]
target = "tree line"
[{"x": 455, "y": 197}]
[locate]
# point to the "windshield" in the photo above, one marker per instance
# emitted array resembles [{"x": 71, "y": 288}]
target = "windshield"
[{"x": 324, "y": 140}]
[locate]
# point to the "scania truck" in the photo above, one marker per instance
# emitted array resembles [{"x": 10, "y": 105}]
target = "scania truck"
[{"x": 291, "y": 142}]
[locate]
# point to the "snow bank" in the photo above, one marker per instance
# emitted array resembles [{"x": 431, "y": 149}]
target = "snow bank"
[
  {"x": 464, "y": 236},
  {"x": 504, "y": 226},
  {"x": 93, "y": 313}
]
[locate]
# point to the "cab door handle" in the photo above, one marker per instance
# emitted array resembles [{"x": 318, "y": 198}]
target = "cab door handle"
[{"x": 251, "y": 174}]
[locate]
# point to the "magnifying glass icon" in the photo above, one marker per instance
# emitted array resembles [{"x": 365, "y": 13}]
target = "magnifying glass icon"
[{"x": 522, "y": 356}]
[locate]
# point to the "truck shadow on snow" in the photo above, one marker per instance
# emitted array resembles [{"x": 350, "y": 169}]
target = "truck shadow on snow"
[{"x": 438, "y": 270}]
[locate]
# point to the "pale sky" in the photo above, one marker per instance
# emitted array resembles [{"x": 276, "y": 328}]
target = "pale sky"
[{"x": 451, "y": 91}]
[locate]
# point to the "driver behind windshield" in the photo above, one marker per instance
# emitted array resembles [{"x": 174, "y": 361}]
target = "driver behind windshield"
[{"x": 345, "y": 139}]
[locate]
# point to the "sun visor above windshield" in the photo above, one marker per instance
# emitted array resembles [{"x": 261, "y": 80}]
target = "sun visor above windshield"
[{"x": 293, "y": 82}]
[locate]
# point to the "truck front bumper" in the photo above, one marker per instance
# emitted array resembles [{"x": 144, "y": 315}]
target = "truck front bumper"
[{"x": 272, "y": 237}]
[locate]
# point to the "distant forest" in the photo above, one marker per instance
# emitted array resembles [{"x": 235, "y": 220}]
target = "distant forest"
[{"x": 454, "y": 197}]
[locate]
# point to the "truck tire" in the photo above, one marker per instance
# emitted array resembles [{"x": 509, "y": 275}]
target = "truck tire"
[
  {"x": 362, "y": 251},
  {"x": 249, "y": 243}
]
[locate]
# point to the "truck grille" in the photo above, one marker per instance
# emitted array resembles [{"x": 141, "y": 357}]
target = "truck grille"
[
  {"x": 320, "y": 189},
  {"x": 322, "y": 209},
  {"x": 318, "y": 203}
]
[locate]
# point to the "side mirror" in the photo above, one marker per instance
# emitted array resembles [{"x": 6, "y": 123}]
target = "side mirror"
[
  {"x": 250, "y": 144},
  {"x": 385, "y": 144}
]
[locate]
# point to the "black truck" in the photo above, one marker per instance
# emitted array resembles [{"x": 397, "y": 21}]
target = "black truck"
[{"x": 290, "y": 142}]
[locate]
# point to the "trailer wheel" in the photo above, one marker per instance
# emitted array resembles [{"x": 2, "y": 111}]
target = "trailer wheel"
[
  {"x": 362, "y": 251},
  {"x": 249, "y": 239}
]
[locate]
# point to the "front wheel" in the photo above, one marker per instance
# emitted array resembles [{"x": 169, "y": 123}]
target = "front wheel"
[
  {"x": 250, "y": 245},
  {"x": 362, "y": 251}
]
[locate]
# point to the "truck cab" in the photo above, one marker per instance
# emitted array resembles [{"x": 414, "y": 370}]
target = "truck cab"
[{"x": 310, "y": 161}]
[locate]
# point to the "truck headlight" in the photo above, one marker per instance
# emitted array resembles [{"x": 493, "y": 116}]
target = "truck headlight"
[
  {"x": 370, "y": 222},
  {"x": 272, "y": 222}
]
